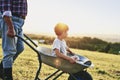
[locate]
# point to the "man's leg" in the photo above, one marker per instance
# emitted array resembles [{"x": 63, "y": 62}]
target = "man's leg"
[
  {"x": 19, "y": 46},
  {"x": 9, "y": 50},
  {"x": 19, "y": 32},
  {"x": 15, "y": 44},
  {"x": 7, "y": 70}
]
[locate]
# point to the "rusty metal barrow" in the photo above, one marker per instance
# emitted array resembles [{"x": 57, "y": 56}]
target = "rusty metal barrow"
[{"x": 76, "y": 71}]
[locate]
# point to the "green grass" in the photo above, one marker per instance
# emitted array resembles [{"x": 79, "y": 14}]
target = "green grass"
[{"x": 106, "y": 66}]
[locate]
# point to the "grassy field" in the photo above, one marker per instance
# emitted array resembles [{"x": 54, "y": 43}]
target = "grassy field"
[{"x": 107, "y": 66}]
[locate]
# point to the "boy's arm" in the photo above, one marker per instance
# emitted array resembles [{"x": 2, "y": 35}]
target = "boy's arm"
[
  {"x": 70, "y": 51},
  {"x": 63, "y": 56}
]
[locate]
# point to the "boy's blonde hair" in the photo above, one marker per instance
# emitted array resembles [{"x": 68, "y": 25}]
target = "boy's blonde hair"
[{"x": 60, "y": 28}]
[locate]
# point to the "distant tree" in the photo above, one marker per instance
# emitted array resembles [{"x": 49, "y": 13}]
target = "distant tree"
[
  {"x": 115, "y": 48},
  {"x": 107, "y": 48}
]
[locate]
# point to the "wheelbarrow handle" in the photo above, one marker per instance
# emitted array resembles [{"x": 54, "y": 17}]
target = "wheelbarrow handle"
[
  {"x": 39, "y": 56},
  {"x": 30, "y": 40},
  {"x": 27, "y": 43}
]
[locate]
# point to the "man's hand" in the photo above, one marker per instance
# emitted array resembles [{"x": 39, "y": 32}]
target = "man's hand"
[{"x": 11, "y": 32}]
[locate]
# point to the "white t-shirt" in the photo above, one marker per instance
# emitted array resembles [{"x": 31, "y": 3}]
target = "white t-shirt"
[{"x": 60, "y": 45}]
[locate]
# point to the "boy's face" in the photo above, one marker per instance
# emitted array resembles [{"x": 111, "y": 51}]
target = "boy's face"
[{"x": 64, "y": 34}]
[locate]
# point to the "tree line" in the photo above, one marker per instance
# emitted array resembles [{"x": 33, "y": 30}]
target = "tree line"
[
  {"x": 93, "y": 44},
  {"x": 85, "y": 43}
]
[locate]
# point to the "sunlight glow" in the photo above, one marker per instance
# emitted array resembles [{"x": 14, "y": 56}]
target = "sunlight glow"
[{"x": 57, "y": 62}]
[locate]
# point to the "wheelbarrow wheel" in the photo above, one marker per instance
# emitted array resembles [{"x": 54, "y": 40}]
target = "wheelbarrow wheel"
[{"x": 82, "y": 75}]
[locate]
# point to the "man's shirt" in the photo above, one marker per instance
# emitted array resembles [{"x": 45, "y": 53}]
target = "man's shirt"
[{"x": 14, "y": 7}]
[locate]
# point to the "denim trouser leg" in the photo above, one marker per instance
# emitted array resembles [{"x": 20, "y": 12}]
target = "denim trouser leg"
[
  {"x": 11, "y": 46},
  {"x": 20, "y": 45}
]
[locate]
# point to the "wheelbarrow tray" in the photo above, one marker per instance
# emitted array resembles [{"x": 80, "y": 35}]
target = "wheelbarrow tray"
[
  {"x": 44, "y": 56},
  {"x": 63, "y": 64}
]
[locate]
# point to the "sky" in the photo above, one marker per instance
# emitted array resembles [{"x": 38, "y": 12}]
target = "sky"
[{"x": 82, "y": 16}]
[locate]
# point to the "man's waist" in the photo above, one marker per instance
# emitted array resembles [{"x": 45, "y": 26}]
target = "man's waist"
[
  {"x": 16, "y": 15},
  {"x": 20, "y": 16}
]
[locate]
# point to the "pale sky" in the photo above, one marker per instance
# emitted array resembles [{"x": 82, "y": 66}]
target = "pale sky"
[{"x": 82, "y": 16}]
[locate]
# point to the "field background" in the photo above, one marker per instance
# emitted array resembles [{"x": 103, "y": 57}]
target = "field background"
[{"x": 107, "y": 66}]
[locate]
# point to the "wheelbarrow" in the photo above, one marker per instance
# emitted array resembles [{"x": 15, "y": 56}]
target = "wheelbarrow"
[{"x": 76, "y": 71}]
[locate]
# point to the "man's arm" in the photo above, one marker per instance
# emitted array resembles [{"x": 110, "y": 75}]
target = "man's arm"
[
  {"x": 10, "y": 32},
  {"x": 7, "y": 14}
]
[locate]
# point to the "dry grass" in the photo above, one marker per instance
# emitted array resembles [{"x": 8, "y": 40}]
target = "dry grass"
[{"x": 107, "y": 66}]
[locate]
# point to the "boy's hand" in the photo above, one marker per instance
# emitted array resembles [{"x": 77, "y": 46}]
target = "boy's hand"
[
  {"x": 75, "y": 58},
  {"x": 71, "y": 60}
]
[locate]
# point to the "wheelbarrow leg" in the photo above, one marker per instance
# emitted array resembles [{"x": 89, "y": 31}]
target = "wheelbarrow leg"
[
  {"x": 58, "y": 75},
  {"x": 73, "y": 76},
  {"x": 52, "y": 74},
  {"x": 38, "y": 79},
  {"x": 38, "y": 71}
]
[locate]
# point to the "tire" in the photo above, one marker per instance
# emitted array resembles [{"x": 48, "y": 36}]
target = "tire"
[{"x": 82, "y": 75}]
